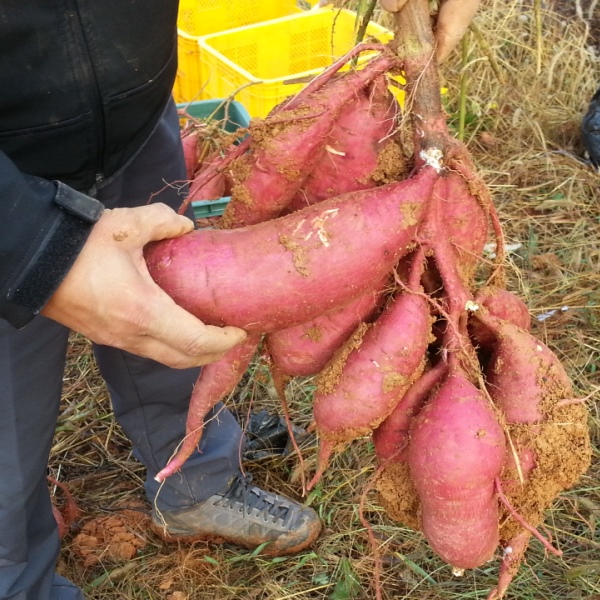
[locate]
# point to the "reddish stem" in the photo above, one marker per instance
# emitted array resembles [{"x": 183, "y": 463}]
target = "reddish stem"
[
  {"x": 570, "y": 401},
  {"x": 280, "y": 381},
  {"x": 417, "y": 270},
  {"x": 372, "y": 540},
  {"x": 456, "y": 292},
  {"x": 70, "y": 511},
  {"x": 517, "y": 517},
  {"x": 320, "y": 80},
  {"x": 326, "y": 448}
]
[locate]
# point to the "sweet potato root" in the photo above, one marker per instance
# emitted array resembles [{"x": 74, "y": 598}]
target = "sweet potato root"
[
  {"x": 306, "y": 348},
  {"x": 216, "y": 381},
  {"x": 289, "y": 270},
  {"x": 456, "y": 450},
  {"x": 286, "y": 146}
]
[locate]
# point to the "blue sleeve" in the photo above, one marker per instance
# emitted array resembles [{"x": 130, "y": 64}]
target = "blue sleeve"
[{"x": 43, "y": 226}]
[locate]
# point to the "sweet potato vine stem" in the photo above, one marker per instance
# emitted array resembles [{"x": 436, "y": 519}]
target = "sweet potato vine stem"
[
  {"x": 415, "y": 45},
  {"x": 377, "y": 566}
]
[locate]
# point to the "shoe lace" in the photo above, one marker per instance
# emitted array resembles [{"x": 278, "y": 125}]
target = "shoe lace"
[{"x": 253, "y": 498}]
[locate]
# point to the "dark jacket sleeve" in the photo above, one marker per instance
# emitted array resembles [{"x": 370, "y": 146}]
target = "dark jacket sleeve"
[{"x": 43, "y": 226}]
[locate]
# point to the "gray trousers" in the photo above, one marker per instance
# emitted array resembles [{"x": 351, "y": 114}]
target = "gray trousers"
[{"x": 149, "y": 400}]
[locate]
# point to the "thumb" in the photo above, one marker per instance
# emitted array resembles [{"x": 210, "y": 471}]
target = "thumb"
[
  {"x": 454, "y": 19},
  {"x": 159, "y": 222}
]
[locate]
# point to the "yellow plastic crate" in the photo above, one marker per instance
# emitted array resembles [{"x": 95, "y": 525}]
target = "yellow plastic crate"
[
  {"x": 261, "y": 62},
  {"x": 202, "y": 17}
]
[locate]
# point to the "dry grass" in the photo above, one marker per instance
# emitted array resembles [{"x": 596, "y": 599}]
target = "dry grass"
[{"x": 526, "y": 94}]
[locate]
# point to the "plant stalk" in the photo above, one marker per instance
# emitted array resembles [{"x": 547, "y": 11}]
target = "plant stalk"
[
  {"x": 464, "y": 84},
  {"x": 415, "y": 45}
]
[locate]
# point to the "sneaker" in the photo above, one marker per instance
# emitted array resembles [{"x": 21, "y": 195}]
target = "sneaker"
[{"x": 245, "y": 515}]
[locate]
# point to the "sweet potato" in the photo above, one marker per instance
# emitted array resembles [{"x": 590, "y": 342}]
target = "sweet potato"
[
  {"x": 216, "y": 381},
  {"x": 359, "y": 151},
  {"x": 397, "y": 492},
  {"x": 502, "y": 304},
  {"x": 355, "y": 394},
  {"x": 547, "y": 427},
  {"x": 523, "y": 373},
  {"x": 513, "y": 554},
  {"x": 391, "y": 437},
  {"x": 286, "y": 147},
  {"x": 289, "y": 270},
  {"x": 464, "y": 220},
  {"x": 306, "y": 348},
  {"x": 456, "y": 450}
]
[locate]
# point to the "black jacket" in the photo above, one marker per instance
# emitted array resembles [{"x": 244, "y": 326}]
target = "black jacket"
[{"x": 82, "y": 84}]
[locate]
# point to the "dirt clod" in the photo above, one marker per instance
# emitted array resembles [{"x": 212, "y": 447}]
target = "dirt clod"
[{"x": 111, "y": 538}]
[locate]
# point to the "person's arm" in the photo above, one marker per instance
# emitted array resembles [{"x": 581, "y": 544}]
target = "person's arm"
[
  {"x": 43, "y": 226},
  {"x": 64, "y": 256},
  {"x": 452, "y": 23}
]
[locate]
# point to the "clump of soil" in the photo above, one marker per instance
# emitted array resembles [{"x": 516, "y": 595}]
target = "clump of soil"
[{"x": 112, "y": 538}]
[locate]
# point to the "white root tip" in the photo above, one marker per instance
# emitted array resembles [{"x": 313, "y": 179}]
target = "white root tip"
[
  {"x": 471, "y": 306},
  {"x": 432, "y": 157}
]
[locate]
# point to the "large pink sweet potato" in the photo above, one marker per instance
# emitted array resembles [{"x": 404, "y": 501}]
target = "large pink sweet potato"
[
  {"x": 360, "y": 151},
  {"x": 456, "y": 450},
  {"x": 547, "y": 424},
  {"x": 286, "y": 146},
  {"x": 356, "y": 393},
  {"x": 289, "y": 270},
  {"x": 550, "y": 446}
]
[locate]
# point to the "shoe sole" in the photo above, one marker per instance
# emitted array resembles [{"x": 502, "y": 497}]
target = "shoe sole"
[{"x": 162, "y": 533}]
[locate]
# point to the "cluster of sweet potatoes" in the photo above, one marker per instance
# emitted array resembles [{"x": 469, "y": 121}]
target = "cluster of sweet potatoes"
[{"x": 356, "y": 256}]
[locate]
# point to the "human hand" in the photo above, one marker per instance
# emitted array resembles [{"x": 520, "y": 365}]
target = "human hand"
[
  {"x": 453, "y": 21},
  {"x": 109, "y": 296}
]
